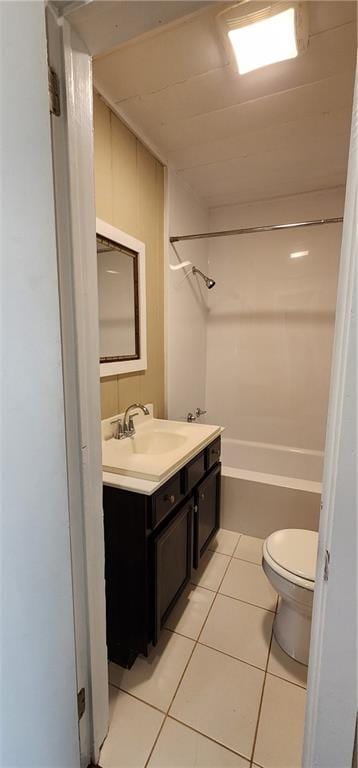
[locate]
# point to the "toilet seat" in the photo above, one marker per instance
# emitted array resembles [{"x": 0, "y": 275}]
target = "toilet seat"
[{"x": 292, "y": 553}]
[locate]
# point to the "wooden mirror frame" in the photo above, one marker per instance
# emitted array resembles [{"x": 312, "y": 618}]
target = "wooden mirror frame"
[{"x": 137, "y": 362}]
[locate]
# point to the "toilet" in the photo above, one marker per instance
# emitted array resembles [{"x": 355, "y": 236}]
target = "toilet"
[{"x": 289, "y": 561}]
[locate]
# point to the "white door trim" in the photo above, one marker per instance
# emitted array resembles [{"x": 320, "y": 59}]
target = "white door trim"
[
  {"x": 80, "y": 127},
  {"x": 332, "y": 694},
  {"x": 79, "y": 105},
  {"x": 70, "y": 383}
]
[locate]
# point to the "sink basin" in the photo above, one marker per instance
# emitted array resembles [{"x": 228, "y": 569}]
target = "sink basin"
[
  {"x": 157, "y": 449},
  {"x": 156, "y": 442}
]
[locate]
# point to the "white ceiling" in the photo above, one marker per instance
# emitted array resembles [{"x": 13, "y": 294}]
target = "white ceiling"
[
  {"x": 106, "y": 24},
  {"x": 276, "y": 131}
]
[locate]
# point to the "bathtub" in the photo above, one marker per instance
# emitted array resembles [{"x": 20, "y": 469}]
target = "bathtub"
[{"x": 267, "y": 487}]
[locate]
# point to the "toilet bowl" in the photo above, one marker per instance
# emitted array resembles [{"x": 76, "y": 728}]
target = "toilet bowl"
[{"x": 289, "y": 561}]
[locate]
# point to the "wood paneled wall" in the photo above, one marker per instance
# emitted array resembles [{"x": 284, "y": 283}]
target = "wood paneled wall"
[{"x": 130, "y": 196}]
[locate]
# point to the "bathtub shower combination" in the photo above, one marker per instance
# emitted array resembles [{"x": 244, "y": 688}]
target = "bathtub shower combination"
[
  {"x": 269, "y": 487},
  {"x": 270, "y": 323},
  {"x": 268, "y": 345}
]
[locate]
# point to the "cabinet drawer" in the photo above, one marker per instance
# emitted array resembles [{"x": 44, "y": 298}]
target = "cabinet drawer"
[
  {"x": 212, "y": 453},
  {"x": 194, "y": 471},
  {"x": 164, "y": 500}
]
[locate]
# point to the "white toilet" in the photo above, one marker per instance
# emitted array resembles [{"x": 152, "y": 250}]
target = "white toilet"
[{"x": 289, "y": 561}]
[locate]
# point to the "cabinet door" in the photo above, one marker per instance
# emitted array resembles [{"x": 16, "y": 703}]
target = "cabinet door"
[
  {"x": 207, "y": 512},
  {"x": 172, "y": 564}
]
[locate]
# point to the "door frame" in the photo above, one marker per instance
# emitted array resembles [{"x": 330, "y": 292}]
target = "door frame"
[
  {"x": 329, "y": 738},
  {"x": 78, "y": 85},
  {"x": 69, "y": 369},
  {"x": 79, "y": 102},
  {"x": 72, "y": 150}
]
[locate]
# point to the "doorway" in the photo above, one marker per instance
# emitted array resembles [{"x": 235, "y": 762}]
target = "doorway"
[{"x": 77, "y": 60}]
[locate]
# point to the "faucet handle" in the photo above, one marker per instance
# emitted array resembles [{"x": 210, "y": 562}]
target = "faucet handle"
[
  {"x": 118, "y": 428},
  {"x": 199, "y": 412},
  {"x": 131, "y": 427}
]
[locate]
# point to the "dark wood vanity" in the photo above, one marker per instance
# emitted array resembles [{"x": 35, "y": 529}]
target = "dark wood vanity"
[{"x": 152, "y": 543}]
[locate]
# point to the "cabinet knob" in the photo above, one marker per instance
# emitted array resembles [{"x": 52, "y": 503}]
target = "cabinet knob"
[
  {"x": 170, "y": 498},
  {"x": 202, "y": 496},
  {"x": 215, "y": 451}
]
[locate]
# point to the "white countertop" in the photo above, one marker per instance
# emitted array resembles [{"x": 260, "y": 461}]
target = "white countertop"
[{"x": 197, "y": 437}]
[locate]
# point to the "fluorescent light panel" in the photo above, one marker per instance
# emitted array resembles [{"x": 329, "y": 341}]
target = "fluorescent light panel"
[
  {"x": 298, "y": 254},
  {"x": 265, "y": 42}
]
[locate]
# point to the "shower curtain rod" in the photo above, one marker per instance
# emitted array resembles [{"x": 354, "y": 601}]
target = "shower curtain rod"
[{"x": 253, "y": 230}]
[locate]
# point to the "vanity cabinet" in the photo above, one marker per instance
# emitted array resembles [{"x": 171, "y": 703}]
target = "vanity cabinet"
[
  {"x": 206, "y": 512},
  {"x": 172, "y": 564},
  {"x": 152, "y": 543}
]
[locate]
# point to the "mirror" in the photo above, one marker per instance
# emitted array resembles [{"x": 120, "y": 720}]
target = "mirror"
[
  {"x": 117, "y": 270},
  {"x": 121, "y": 301}
]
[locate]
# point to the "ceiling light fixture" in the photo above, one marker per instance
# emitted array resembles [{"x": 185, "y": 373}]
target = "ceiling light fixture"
[
  {"x": 271, "y": 32},
  {"x": 298, "y": 254}
]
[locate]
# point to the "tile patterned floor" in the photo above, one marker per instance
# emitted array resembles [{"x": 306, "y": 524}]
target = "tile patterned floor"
[{"x": 217, "y": 691}]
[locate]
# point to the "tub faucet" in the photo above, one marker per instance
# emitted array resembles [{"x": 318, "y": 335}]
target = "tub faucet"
[
  {"x": 198, "y": 412},
  {"x": 128, "y": 424}
]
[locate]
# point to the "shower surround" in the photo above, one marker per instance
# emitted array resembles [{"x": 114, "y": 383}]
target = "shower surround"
[
  {"x": 269, "y": 342},
  {"x": 264, "y": 334},
  {"x": 271, "y": 320}
]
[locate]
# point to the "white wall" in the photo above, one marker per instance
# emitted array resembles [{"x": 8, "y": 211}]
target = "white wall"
[
  {"x": 38, "y": 685},
  {"x": 271, "y": 321},
  {"x": 186, "y": 303}
]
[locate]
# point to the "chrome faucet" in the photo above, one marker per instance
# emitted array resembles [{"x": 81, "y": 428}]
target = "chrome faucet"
[
  {"x": 198, "y": 412},
  {"x": 117, "y": 428},
  {"x": 128, "y": 424}
]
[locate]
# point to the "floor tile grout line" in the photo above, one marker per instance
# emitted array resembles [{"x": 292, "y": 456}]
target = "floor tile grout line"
[
  {"x": 258, "y": 718},
  {"x": 284, "y": 679},
  {"x": 196, "y": 643},
  {"x": 247, "y": 602},
  {"x": 215, "y": 591},
  {"x": 194, "y": 584},
  {"x": 137, "y": 698},
  {"x": 231, "y": 656},
  {"x": 236, "y": 658},
  {"x": 245, "y": 560},
  {"x": 213, "y": 603},
  {"x": 203, "y": 625},
  {"x": 181, "y": 634},
  {"x": 230, "y": 597},
  {"x": 236, "y": 598},
  {"x": 210, "y": 738},
  {"x": 261, "y": 701},
  {"x": 239, "y": 600},
  {"x": 180, "y": 680},
  {"x": 256, "y": 765},
  {"x": 263, "y": 688},
  {"x": 166, "y": 713},
  {"x": 225, "y": 553},
  {"x": 222, "y": 579}
]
